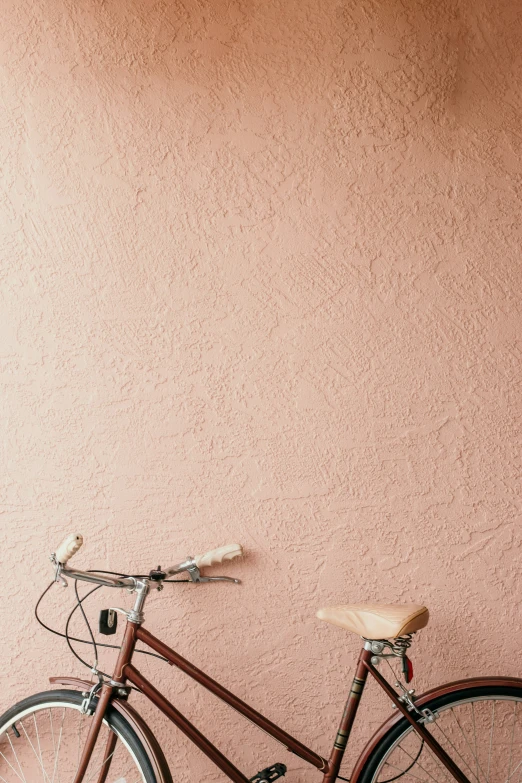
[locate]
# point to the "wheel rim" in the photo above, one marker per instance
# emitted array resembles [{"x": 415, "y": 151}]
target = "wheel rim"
[
  {"x": 51, "y": 739},
  {"x": 482, "y": 735}
]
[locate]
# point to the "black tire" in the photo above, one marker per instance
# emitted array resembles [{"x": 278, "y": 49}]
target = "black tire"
[
  {"x": 113, "y": 721},
  {"x": 382, "y": 766}
]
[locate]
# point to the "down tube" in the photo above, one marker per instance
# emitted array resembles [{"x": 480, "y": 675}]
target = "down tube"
[
  {"x": 293, "y": 745},
  {"x": 184, "y": 725}
]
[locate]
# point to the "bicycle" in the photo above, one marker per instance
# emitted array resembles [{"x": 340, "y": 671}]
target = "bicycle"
[{"x": 467, "y": 731}]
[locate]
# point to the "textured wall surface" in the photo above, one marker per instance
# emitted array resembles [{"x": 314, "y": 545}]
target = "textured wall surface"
[{"x": 261, "y": 282}]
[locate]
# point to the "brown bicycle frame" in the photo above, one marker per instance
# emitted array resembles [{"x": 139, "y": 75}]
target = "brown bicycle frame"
[{"x": 125, "y": 671}]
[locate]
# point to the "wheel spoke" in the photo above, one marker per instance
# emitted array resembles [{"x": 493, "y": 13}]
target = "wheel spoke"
[
  {"x": 420, "y": 765},
  {"x": 33, "y": 748},
  {"x": 459, "y": 754},
  {"x": 44, "y": 774},
  {"x": 21, "y": 777},
  {"x": 57, "y": 755},
  {"x": 99, "y": 769},
  {"x": 479, "y": 729},
  {"x": 394, "y": 766},
  {"x": 49, "y": 741},
  {"x": 467, "y": 741},
  {"x": 512, "y": 737},
  {"x": 517, "y": 767},
  {"x": 475, "y": 738},
  {"x": 52, "y": 737},
  {"x": 491, "y": 739}
]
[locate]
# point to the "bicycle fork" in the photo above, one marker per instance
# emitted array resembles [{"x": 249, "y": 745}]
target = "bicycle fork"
[{"x": 106, "y": 691}]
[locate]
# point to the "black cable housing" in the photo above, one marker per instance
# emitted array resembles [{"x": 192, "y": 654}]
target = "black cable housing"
[{"x": 92, "y": 641}]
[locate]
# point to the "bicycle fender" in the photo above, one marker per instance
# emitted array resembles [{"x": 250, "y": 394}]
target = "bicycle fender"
[
  {"x": 144, "y": 732},
  {"x": 433, "y": 693}
]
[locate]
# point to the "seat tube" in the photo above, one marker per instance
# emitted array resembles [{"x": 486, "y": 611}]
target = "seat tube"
[{"x": 347, "y": 720}]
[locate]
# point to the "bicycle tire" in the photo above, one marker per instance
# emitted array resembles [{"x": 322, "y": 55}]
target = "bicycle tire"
[
  {"x": 383, "y": 767},
  {"x": 63, "y": 699}
]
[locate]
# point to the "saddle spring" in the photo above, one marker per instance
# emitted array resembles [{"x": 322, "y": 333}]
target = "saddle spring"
[
  {"x": 398, "y": 649},
  {"x": 401, "y": 644}
]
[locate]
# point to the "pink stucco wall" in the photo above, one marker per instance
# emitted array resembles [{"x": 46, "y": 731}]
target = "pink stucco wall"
[{"x": 261, "y": 282}]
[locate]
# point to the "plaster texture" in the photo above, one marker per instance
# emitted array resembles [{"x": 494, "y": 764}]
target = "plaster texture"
[{"x": 261, "y": 282}]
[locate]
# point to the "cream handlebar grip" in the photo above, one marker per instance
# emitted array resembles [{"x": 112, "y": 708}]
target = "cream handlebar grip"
[
  {"x": 218, "y": 555},
  {"x": 68, "y": 548}
]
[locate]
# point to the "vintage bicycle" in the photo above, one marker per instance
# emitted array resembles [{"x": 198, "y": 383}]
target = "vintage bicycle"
[{"x": 469, "y": 731}]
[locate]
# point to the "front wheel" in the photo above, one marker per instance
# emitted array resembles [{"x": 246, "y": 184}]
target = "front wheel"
[
  {"x": 42, "y": 737},
  {"x": 480, "y": 728}
]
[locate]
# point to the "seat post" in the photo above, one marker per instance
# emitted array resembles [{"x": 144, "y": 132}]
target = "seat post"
[{"x": 347, "y": 720}]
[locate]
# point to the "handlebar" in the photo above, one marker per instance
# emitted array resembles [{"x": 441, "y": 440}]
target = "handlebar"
[
  {"x": 73, "y": 542},
  {"x": 68, "y": 548},
  {"x": 218, "y": 555}
]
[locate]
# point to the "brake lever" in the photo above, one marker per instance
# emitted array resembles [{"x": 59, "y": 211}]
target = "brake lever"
[
  {"x": 195, "y": 576},
  {"x": 58, "y": 575}
]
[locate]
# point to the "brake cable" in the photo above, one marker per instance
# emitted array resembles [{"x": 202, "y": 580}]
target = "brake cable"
[{"x": 92, "y": 641}]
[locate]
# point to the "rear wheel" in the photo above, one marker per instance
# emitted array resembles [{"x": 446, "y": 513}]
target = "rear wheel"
[
  {"x": 480, "y": 728},
  {"x": 42, "y": 737}
]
